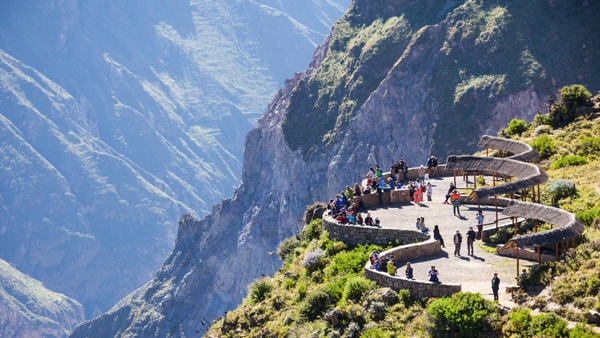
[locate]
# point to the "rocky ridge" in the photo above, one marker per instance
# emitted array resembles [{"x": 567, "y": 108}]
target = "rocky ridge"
[{"x": 446, "y": 88}]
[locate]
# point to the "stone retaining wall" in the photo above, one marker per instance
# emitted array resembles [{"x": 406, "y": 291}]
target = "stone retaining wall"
[
  {"x": 417, "y": 288},
  {"x": 357, "y": 234}
]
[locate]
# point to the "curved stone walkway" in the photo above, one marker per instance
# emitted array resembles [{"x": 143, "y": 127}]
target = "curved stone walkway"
[{"x": 473, "y": 273}]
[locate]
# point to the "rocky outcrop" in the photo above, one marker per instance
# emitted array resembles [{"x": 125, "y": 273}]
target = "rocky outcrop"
[
  {"x": 29, "y": 310},
  {"x": 446, "y": 87}
]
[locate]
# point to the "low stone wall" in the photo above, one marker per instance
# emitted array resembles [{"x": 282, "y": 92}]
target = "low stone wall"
[
  {"x": 357, "y": 234},
  {"x": 395, "y": 196},
  {"x": 406, "y": 253},
  {"x": 526, "y": 254},
  {"x": 417, "y": 288}
]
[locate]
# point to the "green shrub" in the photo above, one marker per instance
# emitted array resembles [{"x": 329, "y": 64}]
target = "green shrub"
[
  {"x": 583, "y": 331},
  {"x": 301, "y": 290},
  {"x": 355, "y": 288},
  {"x": 313, "y": 230},
  {"x": 560, "y": 189},
  {"x": 287, "y": 248},
  {"x": 405, "y": 297},
  {"x": 502, "y": 235},
  {"x": 464, "y": 315},
  {"x": 548, "y": 325},
  {"x": 516, "y": 127},
  {"x": 518, "y": 324},
  {"x": 588, "y": 216},
  {"x": 481, "y": 181},
  {"x": 575, "y": 95},
  {"x": 260, "y": 290},
  {"x": 314, "y": 305},
  {"x": 313, "y": 260},
  {"x": 543, "y": 129},
  {"x": 544, "y": 145},
  {"x": 543, "y": 119},
  {"x": 335, "y": 288},
  {"x": 572, "y": 160},
  {"x": 375, "y": 332},
  {"x": 588, "y": 145},
  {"x": 350, "y": 261}
]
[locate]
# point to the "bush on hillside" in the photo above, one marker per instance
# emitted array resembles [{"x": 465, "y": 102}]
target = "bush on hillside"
[
  {"x": 588, "y": 216},
  {"x": 260, "y": 290},
  {"x": 463, "y": 315},
  {"x": 543, "y": 119},
  {"x": 575, "y": 95},
  {"x": 572, "y": 160},
  {"x": 313, "y": 230},
  {"x": 544, "y": 145},
  {"x": 543, "y": 129},
  {"x": 313, "y": 260},
  {"x": 314, "y": 305},
  {"x": 560, "y": 189},
  {"x": 588, "y": 146},
  {"x": 518, "y": 323},
  {"x": 583, "y": 331},
  {"x": 548, "y": 325},
  {"x": 287, "y": 248},
  {"x": 516, "y": 127},
  {"x": 355, "y": 288}
]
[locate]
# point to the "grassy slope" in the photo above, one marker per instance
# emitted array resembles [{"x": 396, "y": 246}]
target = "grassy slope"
[{"x": 574, "y": 281}]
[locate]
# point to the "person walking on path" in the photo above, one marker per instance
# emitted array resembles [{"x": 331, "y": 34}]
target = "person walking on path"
[
  {"x": 429, "y": 191},
  {"x": 470, "y": 240},
  {"x": 409, "y": 271},
  {"x": 479, "y": 224},
  {"x": 495, "y": 286},
  {"x": 457, "y": 243},
  {"x": 437, "y": 236},
  {"x": 450, "y": 190},
  {"x": 434, "y": 275},
  {"x": 456, "y": 202}
]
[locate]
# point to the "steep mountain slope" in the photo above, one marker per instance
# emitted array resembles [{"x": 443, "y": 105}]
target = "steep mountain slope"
[
  {"x": 393, "y": 79},
  {"x": 28, "y": 309},
  {"x": 117, "y": 117}
]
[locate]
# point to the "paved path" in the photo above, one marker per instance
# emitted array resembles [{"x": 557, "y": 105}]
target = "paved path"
[{"x": 474, "y": 273}]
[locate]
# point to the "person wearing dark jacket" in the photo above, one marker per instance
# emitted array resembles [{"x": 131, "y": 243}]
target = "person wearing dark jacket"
[
  {"x": 495, "y": 285},
  {"x": 450, "y": 190},
  {"x": 470, "y": 240},
  {"x": 437, "y": 236},
  {"x": 457, "y": 243}
]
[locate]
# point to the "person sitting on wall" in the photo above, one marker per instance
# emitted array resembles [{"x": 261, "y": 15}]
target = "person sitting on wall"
[
  {"x": 434, "y": 275},
  {"x": 391, "y": 268},
  {"x": 422, "y": 225},
  {"x": 437, "y": 236},
  {"x": 377, "y": 221},
  {"x": 342, "y": 217},
  {"x": 418, "y": 225},
  {"x": 409, "y": 271},
  {"x": 450, "y": 190},
  {"x": 368, "y": 220},
  {"x": 359, "y": 219},
  {"x": 378, "y": 171},
  {"x": 345, "y": 200},
  {"x": 353, "y": 208},
  {"x": 357, "y": 191},
  {"x": 399, "y": 185},
  {"x": 351, "y": 218},
  {"x": 383, "y": 264},
  {"x": 372, "y": 256},
  {"x": 339, "y": 203},
  {"x": 349, "y": 192}
]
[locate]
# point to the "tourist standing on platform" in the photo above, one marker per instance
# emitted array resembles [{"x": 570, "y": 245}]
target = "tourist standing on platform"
[
  {"x": 404, "y": 169},
  {"x": 417, "y": 193},
  {"x": 437, "y": 236},
  {"x": 479, "y": 224},
  {"x": 429, "y": 191},
  {"x": 457, "y": 243},
  {"x": 409, "y": 271},
  {"x": 434, "y": 275},
  {"x": 432, "y": 164},
  {"x": 450, "y": 190},
  {"x": 422, "y": 172},
  {"x": 470, "y": 240},
  {"x": 495, "y": 285},
  {"x": 396, "y": 171},
  {"x": 378, "y": 171},
  {"x": 455, "y": 202}
]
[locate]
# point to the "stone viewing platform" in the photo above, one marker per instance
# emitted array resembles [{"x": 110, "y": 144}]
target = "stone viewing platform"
[{"x": 398, "y": 216}]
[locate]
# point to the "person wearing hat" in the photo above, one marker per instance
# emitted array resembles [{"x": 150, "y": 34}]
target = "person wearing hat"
[
  {"x": 457, "y": 243},
  {"x": 470, "y": 240},
  {"x": 495, "y": 285}
]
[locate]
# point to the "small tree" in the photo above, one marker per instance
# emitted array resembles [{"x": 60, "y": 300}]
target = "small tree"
[{"x": 516, "y": 127}]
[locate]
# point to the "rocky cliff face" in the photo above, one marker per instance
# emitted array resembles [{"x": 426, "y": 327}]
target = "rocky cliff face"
[
  {"x": 393, "y": 79},
  {"x": 28, "y": 309},
  {"x": 117, "y": 117}
]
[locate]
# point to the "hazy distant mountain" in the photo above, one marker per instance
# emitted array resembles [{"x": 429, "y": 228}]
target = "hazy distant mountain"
[
  {"x": 28, "y": 309},
  {"x": 395, "y": 78},
  {"x": 118, "y": 116}
]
